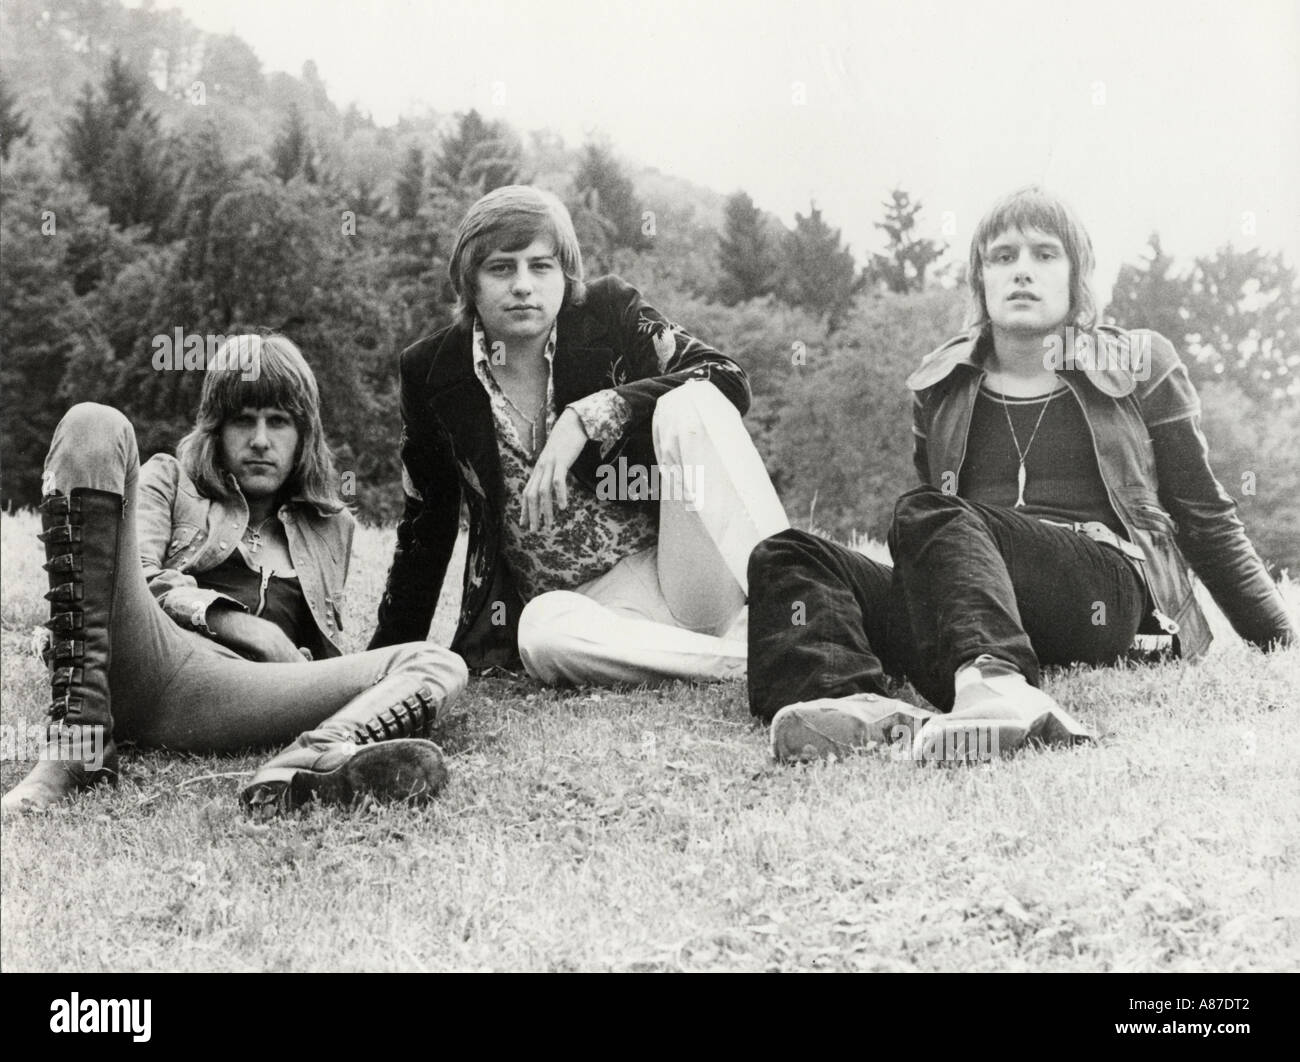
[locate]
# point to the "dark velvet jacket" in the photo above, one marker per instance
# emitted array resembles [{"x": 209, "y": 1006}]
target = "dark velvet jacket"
[
  {"x": 1145, "y": 425},
  {"x": 449, "y": 453}
]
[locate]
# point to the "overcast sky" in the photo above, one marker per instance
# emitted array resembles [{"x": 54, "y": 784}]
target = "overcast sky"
[{"x": 1173, "y": 115}]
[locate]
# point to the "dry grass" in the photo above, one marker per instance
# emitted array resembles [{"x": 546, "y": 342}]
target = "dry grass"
[{"x": 647, "y": 829}]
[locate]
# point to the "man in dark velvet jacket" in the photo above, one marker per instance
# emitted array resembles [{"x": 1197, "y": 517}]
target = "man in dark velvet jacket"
[{"x": 613, "y": 494}]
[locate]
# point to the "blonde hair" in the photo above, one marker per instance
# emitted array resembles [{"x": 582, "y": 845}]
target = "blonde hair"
[
  {"x": 281, "y": 379},
  {"x": 509, "y": 219}
]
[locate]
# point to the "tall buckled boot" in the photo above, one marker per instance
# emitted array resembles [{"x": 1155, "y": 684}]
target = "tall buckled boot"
[
  {"x": 80, "y": 532},
  {"x": 375, "y": 746}
]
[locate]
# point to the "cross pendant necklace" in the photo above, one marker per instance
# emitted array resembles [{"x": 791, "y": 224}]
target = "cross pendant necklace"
[{"x": 254, "y": 536}]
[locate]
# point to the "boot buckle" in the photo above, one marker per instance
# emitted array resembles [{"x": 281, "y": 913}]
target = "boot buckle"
[
  {"x": 65, "y": 594},
  {"x": 61, "y": 535},
  {"x": 73, "y": 649},
  {"x": 64, "y": 622},
  {"x": 60, "y": 505},
  {"x": 67, "y": 676}
]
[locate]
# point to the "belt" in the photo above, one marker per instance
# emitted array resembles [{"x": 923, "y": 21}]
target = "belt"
[{"x": 1099, "y": 532}]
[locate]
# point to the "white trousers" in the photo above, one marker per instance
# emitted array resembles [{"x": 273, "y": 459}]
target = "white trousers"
[{"x": 676, "y": 611}]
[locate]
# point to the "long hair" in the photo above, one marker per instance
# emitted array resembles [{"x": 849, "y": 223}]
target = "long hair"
[
  {"x": 509, "y": 219},
  {"x": 1034, "y": 208},
  {"x": 280, "y": 378}
]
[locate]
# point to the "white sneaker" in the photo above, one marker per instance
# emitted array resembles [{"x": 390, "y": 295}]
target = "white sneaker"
[
  {"x": 995, "y": 713},
  {"x": 832, "y": 727}
]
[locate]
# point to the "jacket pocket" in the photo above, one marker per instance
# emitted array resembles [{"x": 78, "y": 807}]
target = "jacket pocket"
[
  {"x": 1143, "y": 509},
  {"x": 183, "y": 537}
]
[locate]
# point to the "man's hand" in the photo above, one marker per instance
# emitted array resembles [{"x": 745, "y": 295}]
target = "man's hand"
[
  {"x": 547, "y": 485},
  {"x": 251, "y": 636}
]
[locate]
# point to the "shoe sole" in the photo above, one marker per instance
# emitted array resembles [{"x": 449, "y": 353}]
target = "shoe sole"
[
  {"x": 795, "y": 739},
  {"x": 957, "y": 742},
  {"x": 403, "y": 769}
]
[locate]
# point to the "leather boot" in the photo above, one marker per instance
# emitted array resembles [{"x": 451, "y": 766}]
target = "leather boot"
[
  {"x": 374, "y": 746},
  {"x": 80, "y": 532}
]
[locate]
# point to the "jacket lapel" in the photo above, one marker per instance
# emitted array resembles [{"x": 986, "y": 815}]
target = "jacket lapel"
[
  {"x": 460, "y": 405},
  {"x": 1109, "y": 345}
]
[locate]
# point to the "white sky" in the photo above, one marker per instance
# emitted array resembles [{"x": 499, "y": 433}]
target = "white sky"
[{"x": 1174, "y": 115}]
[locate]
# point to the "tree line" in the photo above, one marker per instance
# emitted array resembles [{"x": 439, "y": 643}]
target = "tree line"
[{"x": 229, "y": 200}]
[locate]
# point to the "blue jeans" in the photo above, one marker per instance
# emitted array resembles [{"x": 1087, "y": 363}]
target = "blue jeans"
[
  {"x": 177, "y": 689},
  {"x": 969, "y": 579}
]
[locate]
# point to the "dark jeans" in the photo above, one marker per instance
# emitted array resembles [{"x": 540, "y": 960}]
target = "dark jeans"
[{"x": 825, "y": 621}]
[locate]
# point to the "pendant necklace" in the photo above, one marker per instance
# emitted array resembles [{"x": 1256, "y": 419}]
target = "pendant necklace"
[
  {"x": 1023, "y": 454},
  {"x": 254, "y": 535},
  {"x": 530, "y": 421}
]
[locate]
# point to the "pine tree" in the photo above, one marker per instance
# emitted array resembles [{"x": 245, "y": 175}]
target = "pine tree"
[
  {"x": 410, "y": 184},
  {"x": 291, "y": 151},
  {"x": 13, "y": 126},
  {"x": 902, "y": 268},
  {"x": 479, "y": 155},
  {"x": 817, "y": 272},
  {"x": 114, "y": 148},
  {"x": 747, "y": 258},
  {"x": 604, "y": 187}
]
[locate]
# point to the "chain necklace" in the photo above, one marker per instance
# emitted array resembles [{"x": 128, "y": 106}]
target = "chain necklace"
[
  {"x": 530, "y": 421},
  {"x": 1023, "y": 454},
  {"x": 254, "y": 535}
]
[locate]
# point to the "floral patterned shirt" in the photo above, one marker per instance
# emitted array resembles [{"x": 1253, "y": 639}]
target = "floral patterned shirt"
[{"x": 590, "y": 536}]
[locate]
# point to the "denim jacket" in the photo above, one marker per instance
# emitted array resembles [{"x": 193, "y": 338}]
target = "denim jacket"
[
  {"x": 1145, "y": 424},
  {"x": 182, "y": 532},
  {"x": 613, "y": 342}
]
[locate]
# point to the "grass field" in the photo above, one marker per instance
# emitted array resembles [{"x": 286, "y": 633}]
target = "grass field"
[{"x": 648, "y": 830}]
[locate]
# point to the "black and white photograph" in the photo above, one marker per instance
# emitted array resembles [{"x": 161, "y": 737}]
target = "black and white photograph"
[{"x": 685, "y": 487}]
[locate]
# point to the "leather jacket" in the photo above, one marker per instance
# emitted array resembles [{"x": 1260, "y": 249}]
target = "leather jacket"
[
  {"x": 1145, "y": 424},
  {"x": 611, "y": 341},
  {"x": 181, "y": 532}
]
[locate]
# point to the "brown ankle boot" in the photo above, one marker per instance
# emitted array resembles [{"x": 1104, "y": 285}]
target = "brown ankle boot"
[
  {"x": 80, "y": 533},
  {"x": 373, "y": 747}
]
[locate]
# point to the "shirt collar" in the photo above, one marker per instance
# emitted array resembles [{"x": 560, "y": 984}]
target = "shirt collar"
[
  {"x": 298, "y": 501},
  {"x": 481, "y": 351}
]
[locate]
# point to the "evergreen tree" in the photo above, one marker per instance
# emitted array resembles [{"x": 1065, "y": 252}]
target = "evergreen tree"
[
  {"x": 603, "y": 187},
  {"x": 817, "y": 272},
  {"x": 747, "y": 258},
  {"x": 114, "y": 148},
  {"x": 291, "y": 152},
  {"x": 478, "y": 154},
  {"x": 902, "y": 268},
  {"x": 13, "y": 126},
  {"x": 410, "y": 184}
]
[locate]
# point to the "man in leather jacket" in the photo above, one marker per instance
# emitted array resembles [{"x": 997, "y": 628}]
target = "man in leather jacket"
[{"x": 1067, "y": 493}]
